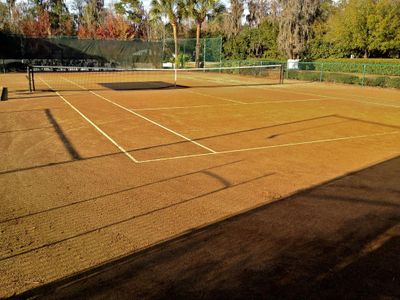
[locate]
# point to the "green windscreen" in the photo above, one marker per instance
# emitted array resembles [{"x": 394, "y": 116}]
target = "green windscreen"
[{"x": 18, "y": 50}]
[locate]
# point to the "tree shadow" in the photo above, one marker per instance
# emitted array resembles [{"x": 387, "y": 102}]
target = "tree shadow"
[
  {"x": 307, "y": 246},
  {"x": 202, "y": 138},
  {"x": 62, "y": 136}
]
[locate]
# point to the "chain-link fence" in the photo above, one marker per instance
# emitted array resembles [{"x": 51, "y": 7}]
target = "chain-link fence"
[
  {"x": 210, "y": 52},
  {"x": 383, "y": 75}
]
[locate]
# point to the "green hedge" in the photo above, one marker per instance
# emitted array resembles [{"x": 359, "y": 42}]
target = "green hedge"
[
  {"x": 330, "y": 77},
  {"x": 344, "y": 78},
  {"x": 386, "y": 67},
  {"x": 339, "y": 70},
  {"x": 380, "y": 61},
  {"x": 338, "y": 67},
  {"x": 383, "y": 82}
]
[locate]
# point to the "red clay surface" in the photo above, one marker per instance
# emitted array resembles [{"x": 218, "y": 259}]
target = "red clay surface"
[{"x": 92, "y": 178}]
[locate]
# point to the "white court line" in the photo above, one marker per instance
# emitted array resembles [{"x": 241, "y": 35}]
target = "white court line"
[
  {"x": 93, "y": 124},
  {"x": 219, "y": 105},
  {"x": 144, "y": 118},
  {"x": 273, "y": 146},
  {"x": 216, "y": 97},
  {"x": 328, "y": 97},
  {"x": 307, "y": 93}
]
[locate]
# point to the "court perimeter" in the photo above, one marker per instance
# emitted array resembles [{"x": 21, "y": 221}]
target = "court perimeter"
[{"x": 89, "y": 176}]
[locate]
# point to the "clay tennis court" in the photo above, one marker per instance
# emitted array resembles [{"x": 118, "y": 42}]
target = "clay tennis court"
[{"x": 92, "y": 175}]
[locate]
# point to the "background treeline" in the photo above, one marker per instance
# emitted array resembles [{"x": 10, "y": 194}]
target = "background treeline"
[{"x": 265, "y": 29}]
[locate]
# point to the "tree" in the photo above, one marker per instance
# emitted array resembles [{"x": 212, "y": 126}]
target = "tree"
[
  {"x": 114, "y": 27},
  {"x": 199, "y": 10},
  {"x": 132, "y": 9},
  {"x": 257, "y": 10},
  {"x": 319, "y": 45},
  {"x": 4, "y": 17},
  {"x": 254, "y": 42},
  {"x": 172, "y": 11},
  {"x": 294, "y": 25},
  {"x": 11, "y": 9},
  {"x": 384, "y": 26},
  {"x": 234, "y": 17},
  {"x": 133, "y": 12},
  {"x": 59, "y": 16},
  {"x": 91, "y": 17},
  {"x": 39, "y": 25},
  {"x": 350, "y": 30}
]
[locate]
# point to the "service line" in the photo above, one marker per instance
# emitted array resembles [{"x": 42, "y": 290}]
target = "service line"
[
  {"x": 272, "y": 146},
  {"x": 226, "y": 104},
  {"x": 93, "y": 124},
  {"x": 143, "y": 117}
]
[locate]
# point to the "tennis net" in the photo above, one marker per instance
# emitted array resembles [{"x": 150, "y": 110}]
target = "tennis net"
[{"x": 60, "y": 78}]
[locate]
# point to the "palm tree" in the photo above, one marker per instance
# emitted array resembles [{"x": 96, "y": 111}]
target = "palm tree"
[
  {"x": 199, "y": 10},
  {"x": 172, "y": 10}
]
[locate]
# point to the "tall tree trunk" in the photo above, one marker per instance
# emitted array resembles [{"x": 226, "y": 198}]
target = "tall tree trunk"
[
  {"x": 198, "y": 31},
  {"x": 174, "y": 29}
]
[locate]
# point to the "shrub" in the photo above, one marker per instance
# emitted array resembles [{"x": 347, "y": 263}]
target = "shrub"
[
  {"x": 301, "y": 75},
  {"x": 379, "y": 61},
  {"x": 377, "y": 81},
  {"x": 393, "y": 83},
  {"x": 341, "y": 78}
]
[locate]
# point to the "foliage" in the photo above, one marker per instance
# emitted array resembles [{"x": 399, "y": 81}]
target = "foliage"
[
  {"x": 295, "y": 25},
  {"x": 173, "y": 11},
  {"x": 199, "y": 10},
  {"x": 251, "y": 29},
  {"x": 234, "y": 18},
  {"x": 114, "y": 27},
  {"x": 39, "y": 26},
  {"x": 254, "y": 42},
  {"x": 384, "y": 25},
  {"x": 4, "y": 18},
  {"x": 365, "y": 28},
  {"x": 89, "y": 20},
  {"x": 345, "y": 78},
  {"x": 257, "y": 10},
  {"x": 132, "y": 9},
  {"x": 182, "y": 60},
  {"x": 370, "y": 61}
]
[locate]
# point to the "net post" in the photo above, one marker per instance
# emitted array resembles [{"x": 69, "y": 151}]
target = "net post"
[
  {"x": 4, "y": 93},
  {"x": 28, "y": 75},
  {"x": 33, "y": 79}
]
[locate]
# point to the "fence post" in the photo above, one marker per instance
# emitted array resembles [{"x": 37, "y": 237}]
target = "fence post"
[
  {"x": 287, "y": 70},
  {"x": 321, "y": 75},
  {"x": 204, "y": 53},
  {"x": 220, "y": 52},
  {"x": 363, "y": 75},
  {"x": 184, "y": 49}
]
